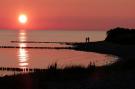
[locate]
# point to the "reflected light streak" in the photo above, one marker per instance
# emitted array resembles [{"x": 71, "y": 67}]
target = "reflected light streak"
[{"x": 23, "y": 53}]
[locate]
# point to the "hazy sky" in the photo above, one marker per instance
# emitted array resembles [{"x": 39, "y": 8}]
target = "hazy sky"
[{"x": 68, "y": 14}]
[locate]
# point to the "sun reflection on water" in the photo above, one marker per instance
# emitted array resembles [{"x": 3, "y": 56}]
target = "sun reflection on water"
[{"x": 23, "y": 53}]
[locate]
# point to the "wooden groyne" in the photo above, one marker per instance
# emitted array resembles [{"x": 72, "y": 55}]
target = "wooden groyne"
[
  {"x": 22, "y": 69},
  {"x": 66, "y": 43},
  {"x": 36, "y": 47}
]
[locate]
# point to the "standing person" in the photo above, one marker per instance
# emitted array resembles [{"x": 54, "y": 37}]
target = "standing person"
[{"x": 88, "y": 39}]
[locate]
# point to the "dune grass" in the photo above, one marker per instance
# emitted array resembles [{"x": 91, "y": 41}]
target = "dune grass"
[{"x": 73, "y": 77}]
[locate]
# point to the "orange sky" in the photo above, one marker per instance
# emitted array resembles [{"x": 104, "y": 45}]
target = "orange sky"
[{"x": 68, "y": 14}]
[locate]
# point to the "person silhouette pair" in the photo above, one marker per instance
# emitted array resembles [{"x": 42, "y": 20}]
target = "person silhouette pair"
[{"x": 87, "y": 39}]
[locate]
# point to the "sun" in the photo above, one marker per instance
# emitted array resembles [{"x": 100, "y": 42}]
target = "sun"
[{"x": 23, "y": 18}]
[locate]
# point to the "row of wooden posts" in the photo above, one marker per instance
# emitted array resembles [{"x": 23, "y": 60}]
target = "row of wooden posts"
[
  {"x": 36, "y": 47},
  {"x": 22, "y": 69}
]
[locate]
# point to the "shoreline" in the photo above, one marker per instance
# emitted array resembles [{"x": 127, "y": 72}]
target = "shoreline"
[{"x": 119, "y": 74}]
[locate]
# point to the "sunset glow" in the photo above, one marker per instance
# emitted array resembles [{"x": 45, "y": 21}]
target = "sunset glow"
[
  {"x": 67, "y": 14},
  {"x": 23, "y": 19}
]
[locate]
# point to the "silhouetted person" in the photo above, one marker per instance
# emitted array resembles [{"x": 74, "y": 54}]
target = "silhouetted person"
[{"x": 88, "y": 39}]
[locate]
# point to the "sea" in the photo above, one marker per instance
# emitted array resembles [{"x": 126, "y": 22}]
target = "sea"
[{"x": 23, "y": 57}]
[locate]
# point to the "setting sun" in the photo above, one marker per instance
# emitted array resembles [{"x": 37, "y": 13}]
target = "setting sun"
[{"x": 23, "y": 19}]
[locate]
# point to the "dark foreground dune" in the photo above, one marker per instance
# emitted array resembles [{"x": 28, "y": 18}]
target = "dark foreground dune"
[{"x": 116, "y": 76}]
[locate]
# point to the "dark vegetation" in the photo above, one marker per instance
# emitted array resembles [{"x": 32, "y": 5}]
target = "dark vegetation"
[
  {"x": 121, "y": 36},
  {"x": 116, "y": 76},
  {"x": 120, "y": 75}
]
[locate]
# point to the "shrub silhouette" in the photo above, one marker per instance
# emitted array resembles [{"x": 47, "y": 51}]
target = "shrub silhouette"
[{"x": 121, "y": 36}]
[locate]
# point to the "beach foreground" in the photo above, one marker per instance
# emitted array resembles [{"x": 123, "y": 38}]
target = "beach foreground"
[{"x": 115, "y": 76}]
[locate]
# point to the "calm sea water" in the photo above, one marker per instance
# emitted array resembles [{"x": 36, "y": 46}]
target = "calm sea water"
[{"x": 42, "y": 58}]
